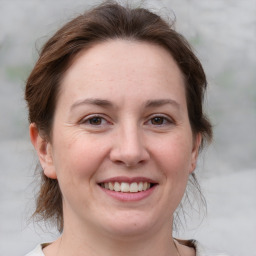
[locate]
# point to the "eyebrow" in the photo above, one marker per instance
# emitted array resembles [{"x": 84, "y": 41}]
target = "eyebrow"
[
  {"x": 109, "y": 104},
  {"x": 161, "y": 102},
  {"x": 92, "y": 101}
]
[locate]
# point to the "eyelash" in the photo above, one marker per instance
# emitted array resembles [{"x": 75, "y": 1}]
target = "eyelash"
[
  {"x": 88, "y": 120},
  {"x": 165, "y": 120}
]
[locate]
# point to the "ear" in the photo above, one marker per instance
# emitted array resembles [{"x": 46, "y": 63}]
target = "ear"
[
  {"x": 44, "y": 151},
  {"x": 195, "y": 151}
]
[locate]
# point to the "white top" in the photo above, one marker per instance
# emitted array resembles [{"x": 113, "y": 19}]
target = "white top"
[
  {"x": 38, "y": 251},
  {"x": 200, "y": 250}
]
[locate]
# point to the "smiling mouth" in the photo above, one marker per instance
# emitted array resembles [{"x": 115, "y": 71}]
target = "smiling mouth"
[{"x": 126, "y": 187}]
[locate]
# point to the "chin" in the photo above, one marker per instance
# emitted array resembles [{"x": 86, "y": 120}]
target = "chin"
[{"x": 130, "y": 225}]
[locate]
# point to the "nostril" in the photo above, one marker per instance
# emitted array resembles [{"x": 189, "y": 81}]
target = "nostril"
[
  {"x": 129, "y": 164},
  {"x": 129, "y": 153}
]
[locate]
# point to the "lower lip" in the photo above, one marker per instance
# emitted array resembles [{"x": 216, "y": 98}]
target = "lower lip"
[{"x": 126, "y": 197}]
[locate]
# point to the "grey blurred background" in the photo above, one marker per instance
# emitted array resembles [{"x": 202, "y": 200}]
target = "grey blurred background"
[{"x": 223, "y": 34}]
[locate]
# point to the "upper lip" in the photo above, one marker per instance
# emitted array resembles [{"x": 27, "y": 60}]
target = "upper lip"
[{"x": 128, "y": 179}]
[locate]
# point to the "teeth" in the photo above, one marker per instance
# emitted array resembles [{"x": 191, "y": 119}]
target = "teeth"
[
  {"x": 145, "y": 185},
  {"x": 134, "y": 187},
  {"x": 117, "y": 186},
  {"x": 140, "y": 186},
  {"x": 110, "y": 186},
  {"x": 126, "y": 187}
]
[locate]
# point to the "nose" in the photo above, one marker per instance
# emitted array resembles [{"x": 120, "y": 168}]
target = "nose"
[{"x": 128, "y": 148}]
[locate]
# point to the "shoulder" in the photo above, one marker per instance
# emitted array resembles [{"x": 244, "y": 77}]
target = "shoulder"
[
  {"x": 38, "y": 251},
  {"x": 199, "y": 248},
  {"x": 202, "y": 251}
]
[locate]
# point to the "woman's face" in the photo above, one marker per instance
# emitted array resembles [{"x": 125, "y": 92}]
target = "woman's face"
[{"x": 121, "y": 123}]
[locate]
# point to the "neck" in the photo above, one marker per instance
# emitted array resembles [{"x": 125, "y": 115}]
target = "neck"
[{"x": 80, "y": 241}]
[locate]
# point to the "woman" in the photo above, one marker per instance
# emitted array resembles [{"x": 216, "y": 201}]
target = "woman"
[{"x": 115, "y": 110}]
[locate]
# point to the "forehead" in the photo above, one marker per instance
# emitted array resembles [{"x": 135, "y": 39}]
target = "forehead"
[{"x": 125, "y": 66}]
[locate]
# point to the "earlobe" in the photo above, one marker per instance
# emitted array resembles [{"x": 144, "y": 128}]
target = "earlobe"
[
  {"x": 44, "y": 151},
  {"x": 195, "y": 151}
]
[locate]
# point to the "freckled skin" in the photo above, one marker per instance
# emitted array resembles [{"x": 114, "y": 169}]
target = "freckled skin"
[{"x": 125, "y": 144}]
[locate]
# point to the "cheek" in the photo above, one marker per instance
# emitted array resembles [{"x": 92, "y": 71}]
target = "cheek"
[
  {"x": 77, "y": 157},
  {"x": 174, "y": 158},
  {"x": 175, "y": 155},
  {"x": 77, "y": 160}
]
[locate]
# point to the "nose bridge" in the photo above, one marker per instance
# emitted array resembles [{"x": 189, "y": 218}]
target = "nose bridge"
[{"x": 129, "y": 146}]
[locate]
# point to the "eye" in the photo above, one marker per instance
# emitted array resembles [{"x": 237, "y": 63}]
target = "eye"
[
  {"x": 94, "y": 120},
  {"x": 159, "y": 120}
]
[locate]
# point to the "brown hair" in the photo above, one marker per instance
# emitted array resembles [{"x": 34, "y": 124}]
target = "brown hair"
[{"x": 107, "y": 21}]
